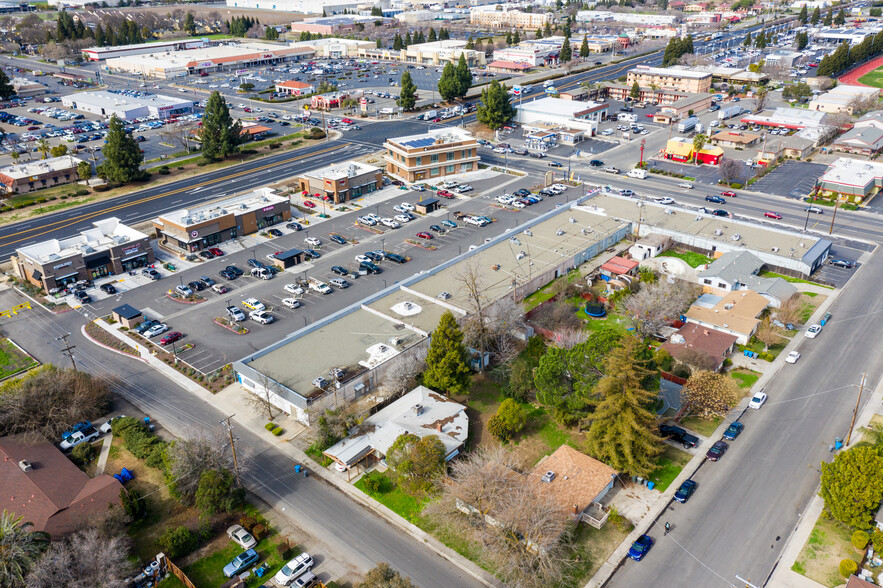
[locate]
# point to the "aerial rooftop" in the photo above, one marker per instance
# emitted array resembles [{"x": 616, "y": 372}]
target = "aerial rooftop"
[
  {"x": 260, "y": 198},
  {"x": 107, "y": 233}
]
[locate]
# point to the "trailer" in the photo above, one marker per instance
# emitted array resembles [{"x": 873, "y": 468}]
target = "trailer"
[
  {"x": 687, "y": 125},
  {"x": 729, "y": 112}
]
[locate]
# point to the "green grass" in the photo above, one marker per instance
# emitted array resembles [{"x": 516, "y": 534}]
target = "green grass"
[
  {"x": 827, "y": 545},
  {"x": 745, "y": 379},
  {"x": 12, "y": 360},
  {"x": 392, "y": 497},
  {"x": 693, "y": 259},
  {"x": 766, "y": 274},
  {"x": 668, "y": 465},
  {"x": 757, "y": 346},
  {"x": 704, "y": 426},
  {"x": 873, "y": 78},
  {"x": 618, "y": 323},
  {"x": 209, "y": 571},
  {"x": 538, "y": 297},
  {"x": 171, "y": 582}
]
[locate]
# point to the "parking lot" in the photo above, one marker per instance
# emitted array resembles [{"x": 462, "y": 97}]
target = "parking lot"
[{"x": 793, "y": 179}]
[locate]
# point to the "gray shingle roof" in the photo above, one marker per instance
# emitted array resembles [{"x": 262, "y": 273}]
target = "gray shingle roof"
[{"x": 733, "y": 266}]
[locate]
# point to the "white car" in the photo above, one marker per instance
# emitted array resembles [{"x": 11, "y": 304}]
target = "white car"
[
  {"x": 312, "y": 241},
  {"x": 504, "y": 199},
  {"x": 253, "y": 304},
  {"x": 242, "y": 537},
  {"x": 516, "y": 204},
  {"x": 108, "y": 426},
  {"x": 373, "y": 217},
  {"x": 813, "y": 331},
  {"x": 364, "y": 259},
  {"x": 407, "y": 207},
  {"x": 403, "y": 218},
  {"x": 663, "y": 200},
  {"x": 294, "y": 569},
  {"x": 793, "y": 357},
  {"x": 290, "y": 303},
  {"x": 261, "y": 316},
  {"x": 463, "y": 188},
  {"x": 686, "y": 185},
  {"x": 758, "y": 400},
  {"x": 399, "y": 208},
  {"x": 293, "y": 289},
  {"x": 367, "y": 221},
  {"x": 156, "y": 330},
  {"x": 388, "y": 222}
]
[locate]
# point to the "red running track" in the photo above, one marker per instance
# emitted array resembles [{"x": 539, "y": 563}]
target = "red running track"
[{"x": 851, "y": 78}]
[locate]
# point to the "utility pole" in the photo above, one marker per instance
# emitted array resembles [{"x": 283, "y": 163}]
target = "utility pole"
[
  {"x": 226, "y": 423},
  {"x": 861, "y": 389},
  {"x": 68, "y": 349}
]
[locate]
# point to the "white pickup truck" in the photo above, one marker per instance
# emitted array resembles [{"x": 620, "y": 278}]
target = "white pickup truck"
[
  {"x": 319, "y": 286},
  {"x": 85, "y": 435}
]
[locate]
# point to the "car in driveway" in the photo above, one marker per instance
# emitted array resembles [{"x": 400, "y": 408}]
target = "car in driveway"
[
  {"x": 717, "y": 450},
  {"x": 640, "y": 547},
  {"x": 241, "y": 562},
  {"x": 771, "y": 214},
  {"x": 155, "y": 330},
  {"x": 793, "y": 357},
  {"x": 253, "y": 304},
  {"x": 757, "y": 400},
  {"x": 734, "y": 430},
  {"x": 813, "y": 331},
  {"x": 86, "y": 433},
  {"x": 842, "y": 263},
  {"x": 685, "y": 491},
  {"x": 242, "y": 537},
  {"x": 715, "y": 199},
  {"x": 339, "y": 270},
  {"x": 424, "y": 235},
  {"x": 293, "y": 569}
]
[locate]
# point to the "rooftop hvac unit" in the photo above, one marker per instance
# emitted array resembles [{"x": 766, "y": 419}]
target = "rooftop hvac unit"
[
  {"x": 548, "y": 477},
  {"x": 559, "y": 232},
  {"x": 736, "y": 237},
  {"x": 528, "y": 233},
  {"x": 718, "y": 232},
  {"x": 417, "y": 409},
  {"x": 320, "y": 383},
  {"x": 775, "y": 249},
  {"x": 337, "y": 373},
  {"x": 25, "y": 466}
]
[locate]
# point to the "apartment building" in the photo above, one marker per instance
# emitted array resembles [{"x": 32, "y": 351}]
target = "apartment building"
[
  {"x": 431, "y": 155},
  {"x": 680, "y": 80},
  {"x": 489, "y": 16}
]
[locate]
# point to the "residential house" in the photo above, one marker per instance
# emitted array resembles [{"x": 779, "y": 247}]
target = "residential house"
[
  {"x": 857, "y": 582},
  {"x": 616, "y": 267},
  {"x": 736, "y": 313},
  {"x": 421, "y": 412},
  {"x": 41, "y": 485},
  {"x": 700, "y": 346},
  {"x": 734, "y": 139},
  {"x": 737, "y": 270},
  {"x": 649, "y": 246}
]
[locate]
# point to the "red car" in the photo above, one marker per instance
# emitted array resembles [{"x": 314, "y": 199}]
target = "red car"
[
  {"x": 246, "y": 109},
  {"x": 424, "y": 235},
  {"x": 445, "y": 194},
  {"x": 216, "y": 252},
  {"x": 170, "y": 338},
  {"x": 729, "y": 193},
  {"x": 813, "y": 64},
  {"x": 33, "y": 128},
  {"x": 774, "y": 215},
  {"x": 649, "y": 115},
  {"x": 309, "y": 204}
]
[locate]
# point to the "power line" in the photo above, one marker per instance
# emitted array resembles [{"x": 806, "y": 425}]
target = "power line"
[
  {"x": 226, "y": 423},
  {"x": 69, "y": 349}
]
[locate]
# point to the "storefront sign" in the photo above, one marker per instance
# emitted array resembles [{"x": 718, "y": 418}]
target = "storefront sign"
[
  {"x": 131, "y": 250},
  {"x": 267, "y": 209},
  {"x": 194, "y": 234},
  {"x": 206, "y": 64},
  {"x": 267, "y": 56},
  {"x": 61, "y": 265}
]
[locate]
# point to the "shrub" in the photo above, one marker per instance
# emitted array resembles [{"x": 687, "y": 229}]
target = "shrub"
[
  {"x": 177, "y": 542},
  {"x": 81, "y": 192},
  {"x": 275, "y": 145},
  {"x": 156, "y": 459},
  {"x": 877, "y": 541},
  {"x": 205, "y": 531},
  {"x": 735, "y": 185},
  {"x": 372, "y": 483},
  {"x": 498, "y": 428},
  {"x": 247, "y": 522},
  {"x": 163, "y": 171},
  {"x": 259, "y": 532},
  {"x": 278, "y": 431},
  {"x": 283, "y": 548},
  {"x": 860, "y": 539},
  {"x": 270, "y": 426},
  {"x": 101, "y": 188},
  {"x": 83, "y": 453},
  {"x": 848, "y": 568}
]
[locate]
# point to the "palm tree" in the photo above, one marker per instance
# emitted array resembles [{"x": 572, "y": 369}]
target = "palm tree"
[
  {"x": 15, "y": 155},
  {"x": 43, "y": 147},
  {"x": 20, "y": 548}
]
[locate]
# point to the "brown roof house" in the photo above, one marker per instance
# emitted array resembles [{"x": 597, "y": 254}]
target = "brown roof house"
[
  {"x": 41, "y": 485},
  {"x": 735, "y": 313},
  {"x": 700, "y": 346},
  {"x": 578, "y": 483}
]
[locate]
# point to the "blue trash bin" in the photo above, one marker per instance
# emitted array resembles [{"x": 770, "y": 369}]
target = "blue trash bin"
[
  {"x": 650, "y": 484},
  {"x": 297, "y": 469}
]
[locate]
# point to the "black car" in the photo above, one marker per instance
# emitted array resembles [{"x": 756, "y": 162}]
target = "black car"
[
  {"x": 374, "y": 256},
  {"x": 196, "y": 285},
  {"x": 339, "y": 270},
  {"x": 275, "y": 232},
  {"x": 554, "y": 164},
  {"x": 715, "y": 199},
  {"x": 108, "y": 288},
  {"x": 719, "y": 212},
  {"x": 843, "y": 263},
  {"x": 82, "y": 297},
  {"x": 370, "y": 267},
  {"x": 685, "y": 491},
  {"x": 312, "y": 254},
  {"x": 596, "y": 163},
  {"x": 233, "y": 269},
  {"x": 254, "y": 263},
  {"x": 436, "y": 229},
  {"x": 395, "y": 257},
  {"x": 338, "y": 239},
  {"x": 205, "y": 254},
  {"x": 536, "y": 155},
  {"x": 294, "y": 226},
  {"x": 717, "y": 450},
  {"x": 227, "y": 274},
  {"x": 522, "y": 192}
]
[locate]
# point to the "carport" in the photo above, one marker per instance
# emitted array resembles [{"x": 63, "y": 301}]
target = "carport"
[
  {"x": 427, "y": 206},
  {"x": 126, "y": 315},
  {"x": 286, "y": 259}
]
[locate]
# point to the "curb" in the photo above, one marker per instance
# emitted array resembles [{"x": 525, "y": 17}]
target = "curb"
[
  {"x": 108, "y": 347},
  {"x": 40, "y": 304}
]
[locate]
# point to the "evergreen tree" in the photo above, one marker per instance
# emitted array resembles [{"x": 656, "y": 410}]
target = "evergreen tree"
[
  {"x": 408, "y": 41},
  {"x": 516, "y": 38},
  {"x": 566, "y": 52},
  {"x": 99, "y": 36},
  {"x": 816, "y": 16},
  {"x": 687, "y": 46},
  {"x": 494, "y": 110},
  {"x": 220, "y": 136},
  {"x": 803, "y": 17},
  {"x": 635, "y": 92},
  {"x": 584, "y": 48},
  {"x": 189, "y": 24},
  {"x": 760, "y": 40},
  {"x": 829, "y": 18},
  {"x": 122, "y": 155},
  {"x": 419, "y": 38},
  {"x": 621, "y": 434},
  {"x": 6, "y": 89},
  {"x": 444, "y": 34},
  {"x": 470, "y": 44},
  {"x": 464, "y": 77},
  {"x": 538, "y": 34},
  {"x": 446, "y": 368},
  {"x": 271, "y": 34},
  {"x": 379, "y": 44},
  {"x": 408, "y": 92},
  {"x": 852, "y": 486},
  {"x": 840, "y": 19},
  {"x": 376, "y": 11},
  {"x": 801, "y": 40},
  {"x": 547, "y": 29},
  {"x": 508, "y": 39},
  {"x": 747, "y": 42},
  {"x": 432, "y": 36},
  {"x": 397, "y": 44},
  {"x": 448, "y": 84}
]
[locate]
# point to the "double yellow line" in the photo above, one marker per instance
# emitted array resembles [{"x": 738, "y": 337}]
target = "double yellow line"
[{"x": 52, "y": 227}]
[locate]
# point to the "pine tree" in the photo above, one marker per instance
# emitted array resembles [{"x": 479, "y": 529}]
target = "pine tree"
[
  {"x": 464, "y": 77},
  {"x": 122, "y": 155},
  {"x": 190, "y": 24},
  {"x": 408, "y": 92},
  {"x": 635, "y": 92},
  {"x": 508, "y": 39},
  {"x": 444, "y": 34},
  {"x": 566, "y": 52},
  {"x": 448, "y": 83},
  {"x": 816, "y": 16},
  {"x": 547, "y": 29},
  {"x": 584, "y": 48},
  {"x": 432, "y": 36},
  {"x": 99, "y": 36},
  {"x": 539, "y": 33},
  {"x": 621, "y": 434},
  {"x": 271, "y": 34},
  {"x": 408, "y": 41},
  {"x": 397, "y": 44},
  {"x": 829, "y": 18},
  {"x": 840, "y": 19},
  {"x": 6, "y": 89},
  {"x": 446, "y": 368},
  {"x": 220, "y": 136},
  {"x": 747, "y": 42},
  {"x": 687, "y": 46},
  {"x": 760, "y": 40},
  {"x": 803, "y": 17},
  {"x": 516, "y": 38},
  {"x": 494, "y": 110},
  {"x": 470, "y": 44}
]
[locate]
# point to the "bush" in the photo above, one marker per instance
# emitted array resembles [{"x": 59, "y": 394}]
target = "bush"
[
  {"x": 101, "y": 188},
  {"x": 259, "y": 532},
  {"x": 270, "y": 426},
  {"x": 498, "y": 428},
  {"x": 877, "y": 541},
  {"x": 860, "y": 539},
  {"x": 205, "y": 531},
  {"x": 371, "y": 483},
  {"x": 83, "y": 453},
  {"x": 177, "y": 542},
  {"x": 848, "y": 568},
  {"x": 278, "y": 431},
  {"x": 283, "y": 548},
  {"x": 156, "y": 459},
  {"x": 247, "y": 523},
  {"x": 735, "y": 185},
  {"x": 275, "y": 145},
  {"x": 163, "y": 171}
]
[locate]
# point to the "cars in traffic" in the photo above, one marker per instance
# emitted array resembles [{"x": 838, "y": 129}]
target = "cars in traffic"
[
  {"x": 715, "y": 199},
  {"x": 771, "y": 214}
]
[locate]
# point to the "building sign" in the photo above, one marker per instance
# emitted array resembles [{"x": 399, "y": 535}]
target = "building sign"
[
  {"x": 267, "y": 56},
  {"x": 131, "y": 250},
  {"x": 194, "y": 234},
  {"x": 241, "y": 72},
  {"x": 267, "y": 209},
  {"x": 61, "y": 265},
  {"x": 205, "y": 64}
]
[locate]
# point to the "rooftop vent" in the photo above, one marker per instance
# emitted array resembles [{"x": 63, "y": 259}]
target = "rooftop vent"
[
  {"x": 775, "y": 249},
  {"x": 736, "y": 237},
  {"x": 718, "y": 232},
  {"x": 25, "y": 466},
  {"x": 548, "y": 477},
  {"x": 417, "y": 409},
  {"x": 338, "y": 373}
]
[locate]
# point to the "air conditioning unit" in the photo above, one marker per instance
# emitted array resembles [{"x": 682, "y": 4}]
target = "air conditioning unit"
[
  {"x": 25, "y": 465},
  {"x": 548, "y": 477}
]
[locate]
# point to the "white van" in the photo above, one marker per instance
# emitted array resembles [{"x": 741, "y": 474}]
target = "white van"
[{"x": 637, "y": 173}]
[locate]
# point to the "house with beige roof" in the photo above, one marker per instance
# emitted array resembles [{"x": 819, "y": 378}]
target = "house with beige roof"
[{"x": 735, "y": 313}]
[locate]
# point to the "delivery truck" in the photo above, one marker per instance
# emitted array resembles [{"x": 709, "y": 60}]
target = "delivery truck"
[{"x": 729, "y": 112}]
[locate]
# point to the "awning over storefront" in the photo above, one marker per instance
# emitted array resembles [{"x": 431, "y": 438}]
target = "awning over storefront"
[{"x": 98, "y": 262}]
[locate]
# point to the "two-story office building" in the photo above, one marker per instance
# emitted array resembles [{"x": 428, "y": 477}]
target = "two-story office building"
[{"x": 431, "y": 155}]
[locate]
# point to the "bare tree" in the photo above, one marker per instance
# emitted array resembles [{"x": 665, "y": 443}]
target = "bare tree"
[
  {"x": 694, "y": 60},
  {"x": 791, "y": 311},
  {"x": 83, "y": 560},
  {"x": 188, "y": 459},
  {"x": 834, "y": 125},
  {"x": 731, "y": 170},
  {"x": 768, "y": 334},
  {"x": 180, "y": 133},
  {"x": 570, "y": 338},
  {"x": 401, "y": 375},
  {"x": 860, "y": 105},
  {"x": 760, "y": 99},
  {"x": 656, "y": 305},
  {"x": 261, "y": 399}
]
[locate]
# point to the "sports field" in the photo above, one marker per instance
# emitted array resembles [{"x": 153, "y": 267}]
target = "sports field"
[{"x": 874, "y": 78}]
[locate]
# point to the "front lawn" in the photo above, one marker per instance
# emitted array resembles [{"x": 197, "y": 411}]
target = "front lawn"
[
  {"x": 692, "y": 258},
  {"x": 209, "y": 570},
  {"x": 591, "y": 547},
  {"x": 669, "y": 464},
  {"x": 392, "y": 497},
  {"x": 766, "y": 274},
  {"x": 828, "y": 544},
  {"x": 704, "y": 426},
  {"x": 745, "y": 378}
]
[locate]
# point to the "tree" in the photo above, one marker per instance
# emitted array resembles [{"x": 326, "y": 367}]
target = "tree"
[
  {"x": 407, "y": 40},
  {"x": 621, "y": 434},
  {"x": 698, "y": 143},
  {"x": 816, "y": 16},
  {"x": 464, "y": 77},
  {"x": 566, "y": 53},
  {"x": 416, "y": 461},
  {"x": 6, "y": 89},
  {"x": 85, "y": 558},
  {"x": 495, "y": 109},
  {"x": 852, "y": 486},
  {"x": 804, "y": 15},
  {"x": 376, "y": 11},
  {"x": 444, "y": 34},
  {"x": 21, "y": 549},
  {"x": 509, "y": 420},
  {"x": 43, "y": 147},
  {"x": 710, "y": 394},
  {"x": 446, "y": 368},
  {"x": 189, "y": 24},
  {"x": 798, "y": 90},
  {"x": 760, "y": 99},
  {"x": 747, "y": 42},
  {"x": 449, "y": 83},
  {"x": 655, "y": 305},
  {"x": 383, "y": 576},
  {"x": 408, "y": 92},
  {"x": 547, "y": 29},
  {"x": 401, "y": 375},
  {"x": 539, "y": 33},
  {"x": 516, "y": 38},
  {"x": 432, "y": 36},
  {"x": 58, "y": 151},
  {"x": 760, "y": 40},
  {"x": 829, "y": 18},
  {"x": 840, "y": 19},
  {"x": 187, "y": 459},
  {"x": 84, "y": 170},
  {"x": 122, "y": 155},
  {"x": 218, "y": 492},
  {"x": 801, "y": 40},
  {"x": 584, "y": 48},
  {"x": 220, "y": 136},
  {"x": 768, "y": 334},
  {"x": 635, "y": 92},
  {"x": 271, "y": 34}
]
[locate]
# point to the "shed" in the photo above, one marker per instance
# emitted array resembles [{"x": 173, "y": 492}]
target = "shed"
[
  {"x": 126, "y": 315},
  {"x": 286, "y": 259},
  {"x": 428, "y": 205}
]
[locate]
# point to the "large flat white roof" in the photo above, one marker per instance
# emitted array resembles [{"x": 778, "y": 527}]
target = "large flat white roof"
[
  {"x": 344, "y": 169},
  {"x": 432, "y": 137},
  {"x": 106, "y": 99},
  {"x": 670, "y": 72},
  {"x": 36, "y": 168},
  {"x": 243, "y": 204},
  {"x": 557, "y": 106},
  {"x": 108, "y": 232}
]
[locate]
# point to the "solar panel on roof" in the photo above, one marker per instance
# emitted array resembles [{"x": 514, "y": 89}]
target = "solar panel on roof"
[{"x": 419, "y": 142}]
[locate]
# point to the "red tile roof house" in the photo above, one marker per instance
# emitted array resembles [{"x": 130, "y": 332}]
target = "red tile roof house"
[
  {"x": 714, "y": 344},
  {"x": 45, "y": 488},
  {"x": 295, "y": 88},
  {"x": 618, "y": 266}
]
